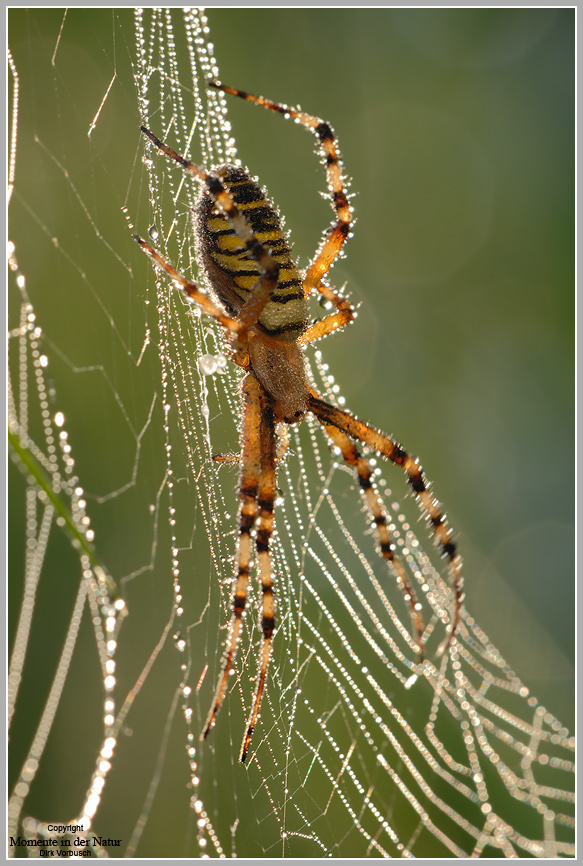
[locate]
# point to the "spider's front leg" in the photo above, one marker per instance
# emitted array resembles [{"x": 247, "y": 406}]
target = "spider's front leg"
[
  {"x": 361, "y": 466},
  {"x": 248, "y": 486},
  {"x": 265, "y": 501},
  {"x": 382, "y": 444},
  {"x": 257, "y": 495}
]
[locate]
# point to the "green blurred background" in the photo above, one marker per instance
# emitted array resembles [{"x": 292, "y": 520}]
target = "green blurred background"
[{"x": 457, "y": 129}]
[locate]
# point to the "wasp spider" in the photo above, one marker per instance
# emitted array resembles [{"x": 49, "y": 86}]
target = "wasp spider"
[{"x": 263, "y": 309}]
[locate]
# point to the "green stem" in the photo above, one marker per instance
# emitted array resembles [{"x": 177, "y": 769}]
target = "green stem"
[{"x": 31, "y": 467}]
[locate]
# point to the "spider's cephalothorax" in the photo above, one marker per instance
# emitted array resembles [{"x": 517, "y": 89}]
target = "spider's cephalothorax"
[{"x": 263, "y": 310}]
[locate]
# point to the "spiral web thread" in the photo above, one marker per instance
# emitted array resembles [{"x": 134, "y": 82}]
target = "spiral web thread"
[
  {"x": 358, "y": 752},
  {"x": 54, "y": 497}
]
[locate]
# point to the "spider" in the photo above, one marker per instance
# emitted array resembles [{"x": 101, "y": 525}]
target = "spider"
[{"x": 262, "y": 307}]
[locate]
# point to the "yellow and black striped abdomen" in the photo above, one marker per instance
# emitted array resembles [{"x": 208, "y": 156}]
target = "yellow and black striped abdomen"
[{"x": 229, "y": 268}]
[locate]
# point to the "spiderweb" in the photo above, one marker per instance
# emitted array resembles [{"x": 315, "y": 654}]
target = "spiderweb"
[{"x": 120, "y": 396}]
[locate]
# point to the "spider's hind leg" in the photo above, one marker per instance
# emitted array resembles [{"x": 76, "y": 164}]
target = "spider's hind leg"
[
  {"x": 340, "y": 228},
  {"x": 344, "y": 314}
]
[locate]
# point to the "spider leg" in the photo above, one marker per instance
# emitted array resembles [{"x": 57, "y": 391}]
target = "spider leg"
[
  {"x": 227, "y": 458},
  {"x": 192, "y": 290},
  {"x": 265, "y": 501},
  {"x": 248, "y": 487},
  {"x": 360, "y": 464},
  {"x": 339, "y": 230},
  {"x": 430, "y": 507},
  {"x": 262, "y": 291},
  {"x": 344, "y": 315}
]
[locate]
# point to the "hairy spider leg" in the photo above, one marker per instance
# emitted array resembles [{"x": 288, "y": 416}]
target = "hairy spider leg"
[
  {"x": 340, "y": 228},
  {"x": 265, "y": 500},
  {"x": 248, "y": 489},
  {"x": 361, "y": 466},
  {"x": 191, "y": 289},
  {"x": 430, "y": 507},
  {"x": 333, "y": 322}
]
